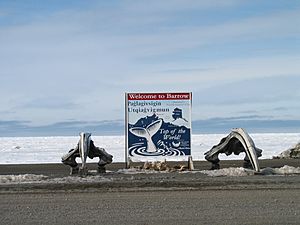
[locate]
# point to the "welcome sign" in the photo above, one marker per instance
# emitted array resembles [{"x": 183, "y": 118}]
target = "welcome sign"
[{"x": 158, "y": 125}]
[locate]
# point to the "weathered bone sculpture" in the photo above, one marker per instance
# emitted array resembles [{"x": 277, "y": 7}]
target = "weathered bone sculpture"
[
  {"x": 86, "y": 148},
  {"x": 236, "y": 142}
]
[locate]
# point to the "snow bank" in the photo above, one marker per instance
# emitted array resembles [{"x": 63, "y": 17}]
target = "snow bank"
[
  {"x": 293, "y": 152},
  {"x": 285, "y": 170},
  {"x": 24, "y": 178},
  {"x": 139, "y": 171},
  {"x": 78, "y": 179},
  {"x": 232, "y": 172},
  {"x": 32, "y": 178},
  {"x": 235, "y": 172}
]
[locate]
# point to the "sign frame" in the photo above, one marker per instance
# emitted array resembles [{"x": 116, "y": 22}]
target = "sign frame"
[{"x": 157, "y": 125}]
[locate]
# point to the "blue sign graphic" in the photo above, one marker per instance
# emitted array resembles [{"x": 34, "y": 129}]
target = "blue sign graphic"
[{"x": 158, "y": 128}]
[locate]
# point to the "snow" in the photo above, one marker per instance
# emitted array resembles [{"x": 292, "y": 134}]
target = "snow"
[
  {"x": 22, "y": 178},
  {"x": 34, "y": 178},
  {"x": 229, "y": 172},
  {"x": 34, "y": 150},
  {"x": 234, "y": 172}
]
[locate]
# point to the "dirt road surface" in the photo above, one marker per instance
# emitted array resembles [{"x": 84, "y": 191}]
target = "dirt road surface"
[{"x": 154, "y": 198}]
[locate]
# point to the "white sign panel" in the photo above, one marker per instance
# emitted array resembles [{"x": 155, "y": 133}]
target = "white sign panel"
[{"x": 158, "y": 125}]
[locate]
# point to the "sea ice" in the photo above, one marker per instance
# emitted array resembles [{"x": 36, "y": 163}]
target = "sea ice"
[{"x": 34, "y": 150}]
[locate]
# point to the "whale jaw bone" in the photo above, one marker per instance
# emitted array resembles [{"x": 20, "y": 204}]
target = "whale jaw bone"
[
  {"x": 148, "y": 133},
  {"x": 231, "y": 144},
  {"x": 84, "y": 147}
]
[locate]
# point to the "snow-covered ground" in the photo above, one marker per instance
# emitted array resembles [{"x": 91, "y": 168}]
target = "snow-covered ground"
[
  {"x": 231, "y": 172},
  {"x": 26, "y": 150}
]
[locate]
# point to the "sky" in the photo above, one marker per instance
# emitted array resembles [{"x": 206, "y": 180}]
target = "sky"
[{"x": 68, "y": 63}]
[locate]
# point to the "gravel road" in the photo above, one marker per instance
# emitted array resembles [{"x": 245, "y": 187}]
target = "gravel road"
[
  {"x": 153, "y": 207},
  {"x": 154, "y": 198}
]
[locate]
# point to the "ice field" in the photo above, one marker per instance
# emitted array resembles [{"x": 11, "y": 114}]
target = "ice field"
[{"x": 33, "y": 150}]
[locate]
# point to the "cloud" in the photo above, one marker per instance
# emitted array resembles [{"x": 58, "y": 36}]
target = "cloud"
[
  {"x": 77, "y": 62},
  {"x": 264, "y": 96},
  {"x": 281, "y": 108},
  {"x": 177, "y": 5},
  {"x": 258, "y": 90},
  {"x": 173, "y": 40},
  {"x": 253, "y": 123},
  {"x": 71, "y": 43},
  {"x": 12, "y": 127},
  {"x": 50, "y": 103},
  {"x": 24, "y": 128}
]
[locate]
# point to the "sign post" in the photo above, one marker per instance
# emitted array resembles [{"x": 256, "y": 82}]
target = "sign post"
[{"x": 158, "y": 126}]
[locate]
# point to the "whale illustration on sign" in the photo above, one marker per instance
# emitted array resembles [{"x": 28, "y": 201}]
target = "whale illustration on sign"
[{"x": 148, "y": 133}]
